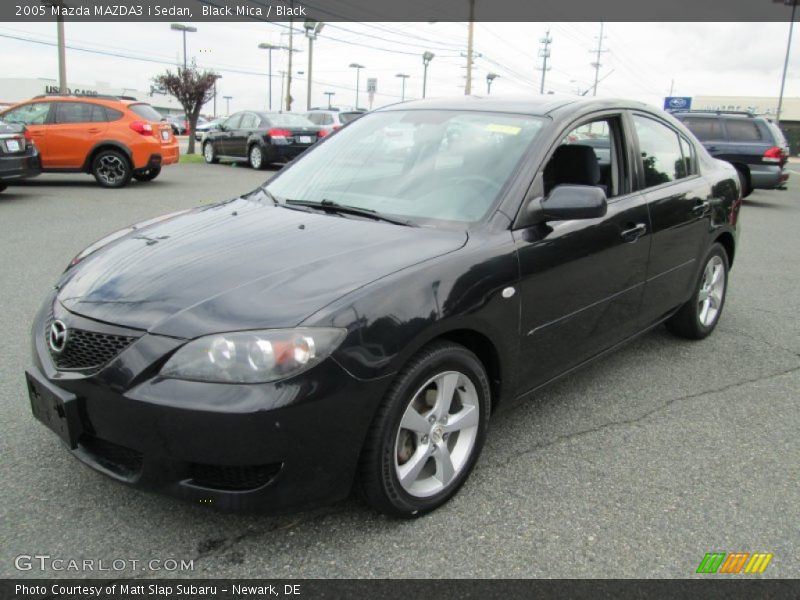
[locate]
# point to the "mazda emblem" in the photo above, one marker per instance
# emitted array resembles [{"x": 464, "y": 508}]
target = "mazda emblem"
[{"x": 58, "y": 336}]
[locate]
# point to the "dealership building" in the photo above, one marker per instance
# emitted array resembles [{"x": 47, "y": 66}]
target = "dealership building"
[{"x": 17, "y": 89}]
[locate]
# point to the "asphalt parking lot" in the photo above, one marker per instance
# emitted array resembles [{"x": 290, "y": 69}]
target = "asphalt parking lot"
[{"x": 634, "y": 467}]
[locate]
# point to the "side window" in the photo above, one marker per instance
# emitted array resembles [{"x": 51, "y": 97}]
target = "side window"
[
  {"x": 249, "y": 121},
  {"x": 743, "y": 130},
  {"x": 327, "y": 119},
  {"x": 79, "y": 112},
  {"x": 687, "y": 150},
  {"x": 588, "y": 155},
  {"x": 315, "y": 118},
  {"x": 29, "y": 114},
  {"x": 233, "y": 121},
  {"x": 705, "y": 128},
  {"x": 661, "y": 152},
  {"x": 112, "y": 114}
]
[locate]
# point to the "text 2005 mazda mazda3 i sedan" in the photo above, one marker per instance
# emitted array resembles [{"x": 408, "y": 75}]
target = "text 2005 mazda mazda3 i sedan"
[{"x": 358, "y": 318}]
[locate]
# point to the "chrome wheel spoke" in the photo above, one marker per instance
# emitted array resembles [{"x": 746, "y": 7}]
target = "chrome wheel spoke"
[
  {"x": 466, "y": 417},
  {"x": 445, "y": 471},
  {"x": 445, "y": 390},
  {"x": 409, "y": 471},
  {"x": 712, "y": 292},
  {"x": 413, "y": 421}
]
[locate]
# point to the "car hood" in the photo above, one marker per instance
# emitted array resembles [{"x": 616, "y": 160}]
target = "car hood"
[{"x": 240, "y": 265}]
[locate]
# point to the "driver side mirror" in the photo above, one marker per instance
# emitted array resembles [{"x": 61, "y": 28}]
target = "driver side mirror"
[{"x": 567, "y": 202}]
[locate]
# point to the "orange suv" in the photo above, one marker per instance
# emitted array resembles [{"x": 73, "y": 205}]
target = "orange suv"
[{"x": 113, "y": 138}]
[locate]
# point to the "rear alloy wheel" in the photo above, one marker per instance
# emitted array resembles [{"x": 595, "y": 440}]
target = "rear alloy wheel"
[
  {"x": 111, "y": 169},
  {"x": 699, "y": 316},
  {"x": 209, "y": 154},
  {"x": 428, "y": 434},
  {"x": 256, "y": 157},
  {"x": 147, "y": 174}
]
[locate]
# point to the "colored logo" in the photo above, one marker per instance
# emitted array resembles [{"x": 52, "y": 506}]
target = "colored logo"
[{"x": 735, "y": 562}]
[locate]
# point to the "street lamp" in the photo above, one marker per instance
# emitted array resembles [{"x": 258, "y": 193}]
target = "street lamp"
[
  {"x": 228, "y": 105},
  {"x": 427, "y": 57},
  {"x": 184, "y": 29},
  {"x": 358, "y": 68},
  {"x": 312, "y": 31},
  {"x": 217, "y": 76},
  {"x": 793, "y": 4},
  {"x": 329, "y": 94},
  {"x": 270, "y": 48},
  {"x": 62, "y": 48},
  {"x": 403, "y": 76},
  {"x": 490, "y": 77}
]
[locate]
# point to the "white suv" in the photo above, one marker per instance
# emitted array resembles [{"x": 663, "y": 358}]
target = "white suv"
[{"x": 333, "y": 119}]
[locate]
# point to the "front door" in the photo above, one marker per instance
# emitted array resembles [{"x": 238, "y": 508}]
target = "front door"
[{"x": 34, "y": 116}]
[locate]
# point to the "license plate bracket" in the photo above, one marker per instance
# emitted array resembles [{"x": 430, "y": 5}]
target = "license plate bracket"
[{"x": 54, "y": 407}]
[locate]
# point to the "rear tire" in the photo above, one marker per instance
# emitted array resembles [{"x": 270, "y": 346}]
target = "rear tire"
[
  {"x": 428, "y": 432},
  {"x": 255, "y": 157},
  {"x": 147, "y": 174},
  {"x": 111, "y": 169},
  {"x": 209, "y": 154},
  {"x": 744, "y": 180},
  {"x": 699, "y": 316}
]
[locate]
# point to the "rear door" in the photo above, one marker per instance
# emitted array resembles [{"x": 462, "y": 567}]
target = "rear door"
[
  {"x": 680, "y": 203},
  {"x": 239, "y": 136},
  {"x": 35, "y": 116},
  {"x": 77, "y": 127}
]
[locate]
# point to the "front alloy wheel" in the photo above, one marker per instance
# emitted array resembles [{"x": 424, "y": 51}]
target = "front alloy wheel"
[{"x": 428, "y": 433}]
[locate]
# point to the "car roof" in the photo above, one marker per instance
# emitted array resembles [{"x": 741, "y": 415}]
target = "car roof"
[{"x": 528, "y": 105}]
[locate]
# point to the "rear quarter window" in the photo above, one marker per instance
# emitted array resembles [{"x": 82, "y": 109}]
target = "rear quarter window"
[
  {"x": 145, "y": 111},
  {"x": 704, "y": 128}
]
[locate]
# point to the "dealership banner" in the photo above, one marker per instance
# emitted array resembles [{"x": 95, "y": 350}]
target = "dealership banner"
[
  {"x": 392, "y": 10},
  {"x": 389, "y": 589}
]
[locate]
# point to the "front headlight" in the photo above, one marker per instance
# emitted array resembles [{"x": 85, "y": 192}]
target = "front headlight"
[{"x": 252, "y": 356}]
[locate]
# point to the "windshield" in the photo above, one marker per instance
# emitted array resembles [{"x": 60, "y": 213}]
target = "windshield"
[{"x": 423, "y": 165}]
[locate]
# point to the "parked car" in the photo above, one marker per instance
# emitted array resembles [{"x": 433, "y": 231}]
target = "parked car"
[
  {"x": 332, "y": 120},
  {"x": 178, "y": 123},
  {"x": 359, "y": 318},
  {"x": 19, "y": 157},
  {"x": 260, "y": 138},
  {"x": 752, "y": 144},
  {"x": 112, "y": 138},
  {"x": 205, "y": 127}
]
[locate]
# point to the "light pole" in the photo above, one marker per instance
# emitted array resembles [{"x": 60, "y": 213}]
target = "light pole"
[
  {"x": 312, "y": 31},
  {"x": 270, "y": 48},
  {"x": 216, "y": 78},
  {"x": 427, "y": 57},
  {"x": 62, "y": 48},
  {"x": 490, "y": 77},
  {"x": 786, "y": 60},
  {"x": 403, "y": 76},
  {"x": 184, "y": 29},
  {"x": 228, "y": 105},
  {"x": 329, "y": 94},
  {"x": 358, "y": 68}
]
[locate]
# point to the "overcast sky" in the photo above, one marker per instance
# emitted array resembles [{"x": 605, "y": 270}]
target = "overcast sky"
[{"x": 641, "y": 61}]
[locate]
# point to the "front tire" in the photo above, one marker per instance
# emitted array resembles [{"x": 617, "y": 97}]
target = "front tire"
[
  {"x": 256, "y": 157},
  {"x": 699, "y": 316},
  {"x": 209, "y": 154},
  {"x": 147, "y": 174},
  {"x": 428, "y": 432},
  {"x": 111, "y": 169}
]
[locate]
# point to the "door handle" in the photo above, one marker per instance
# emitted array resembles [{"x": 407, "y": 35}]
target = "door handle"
[
  {"x": 701, "y": 207},
  {"x": 711, "y": 148},
  {"x": 634, "y": 233}
]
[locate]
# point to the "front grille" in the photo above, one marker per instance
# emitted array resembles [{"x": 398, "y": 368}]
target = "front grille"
[
  {"x": 236, "y": 478},
  {"x": 125, "y": 462},
  {"x": 87, "y": 350}
]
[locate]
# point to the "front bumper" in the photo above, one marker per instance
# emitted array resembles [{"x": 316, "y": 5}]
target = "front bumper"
[
  {"x": 240, "y": 447},
  {"x": 19, "y": 166}
]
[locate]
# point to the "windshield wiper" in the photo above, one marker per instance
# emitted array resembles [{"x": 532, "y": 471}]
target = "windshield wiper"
[{"x": 344, "y": 209}]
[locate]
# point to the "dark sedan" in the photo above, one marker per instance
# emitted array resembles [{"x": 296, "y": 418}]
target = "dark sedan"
[
  {"x": 19, "y": 157},
  {"x": 261, "y": 138},
  {"x": 359, "y": 318}
]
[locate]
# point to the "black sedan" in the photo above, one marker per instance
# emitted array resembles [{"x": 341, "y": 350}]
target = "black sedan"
[
  {"x": 261, "y": 138},
  {"x": 359, "y": 318},
  {"x": 19, "y": 157}
]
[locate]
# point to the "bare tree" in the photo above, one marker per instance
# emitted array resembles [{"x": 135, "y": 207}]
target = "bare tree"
[{"x": 192, "y": 88}]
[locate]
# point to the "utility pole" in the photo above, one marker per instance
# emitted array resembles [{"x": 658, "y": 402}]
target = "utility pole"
[
  {"x": 596, "y": 64},
  {"x": 427, "y": 57},
  {"x": 217, "y": 77},
  {"x": 289, "y": 68},
  {"x": 470, "y": 42},
  {"x": 671, "y": 86},
  {"x": 544, "y": 54},
  {"x": 62, "y": 48},
  {"x": 786, "y": 60},
  {"x": 283, "y": 73}
]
